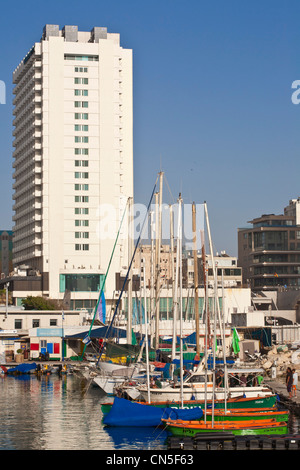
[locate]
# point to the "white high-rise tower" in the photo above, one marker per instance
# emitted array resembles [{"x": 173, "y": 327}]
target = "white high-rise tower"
[{"x": 73, "y": 129}]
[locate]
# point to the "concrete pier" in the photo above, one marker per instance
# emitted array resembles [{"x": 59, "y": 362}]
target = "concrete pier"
[{"x": 279, "y": 388}]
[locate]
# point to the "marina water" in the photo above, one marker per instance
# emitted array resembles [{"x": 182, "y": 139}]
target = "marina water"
[
  {"x": 64, "y": 413},
  {"x": 49, "y": 412}
]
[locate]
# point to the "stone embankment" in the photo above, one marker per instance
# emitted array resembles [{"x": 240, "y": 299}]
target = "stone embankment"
[
  {"x": 279, "y": 358},
  {"x": 275, "y": 363}
]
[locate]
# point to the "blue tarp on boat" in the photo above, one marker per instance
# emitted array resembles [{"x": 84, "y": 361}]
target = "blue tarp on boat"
[
  {"x": 128, "y": 413},
  {"x": 101, "y": 332},
  {"x": 22, "y": 368}
]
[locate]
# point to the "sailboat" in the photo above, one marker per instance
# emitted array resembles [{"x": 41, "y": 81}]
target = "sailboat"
[
  {"x": 199, "y": 385},
  {"x": 238, "y": 428},
  {"x": 203, "y": 385},
  {"x": 247, "y": 414},
  {"x": 109, "y": 381},
  {"x": 127, "y": 413},
  {"x": 198, "y": 388}
]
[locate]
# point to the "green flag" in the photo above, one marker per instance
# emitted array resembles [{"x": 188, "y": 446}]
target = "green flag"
[{"x": 235, "y": 341}]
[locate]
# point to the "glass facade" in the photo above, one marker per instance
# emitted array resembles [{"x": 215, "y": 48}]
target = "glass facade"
[
  {"x": 166, "y": 308},
  {"x": 80, "y": 282}
]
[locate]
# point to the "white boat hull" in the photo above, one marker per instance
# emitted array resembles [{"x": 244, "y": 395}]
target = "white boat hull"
[
  {"x": 108, "y": 384},
  {"x": 194, "y": 393}
]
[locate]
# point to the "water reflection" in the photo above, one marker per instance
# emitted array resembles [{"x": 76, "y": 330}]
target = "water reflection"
[
  {"x": 53, "y": 413},
  {"x": 50, "y": 413},
  {"x": 141, "y": 438}
]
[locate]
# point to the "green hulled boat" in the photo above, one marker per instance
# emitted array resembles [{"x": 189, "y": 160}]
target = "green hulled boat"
[
  {"x": 237, "y": 428},
  {"x": 262, "y": 403},
  {"x": 247, "y": 415}
]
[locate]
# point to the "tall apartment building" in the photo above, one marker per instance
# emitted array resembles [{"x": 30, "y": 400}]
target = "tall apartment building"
[
  {"x": 6, "y": 237},
  {"x": 73, "y": 157},
  {"x": 269, "y": 251}
]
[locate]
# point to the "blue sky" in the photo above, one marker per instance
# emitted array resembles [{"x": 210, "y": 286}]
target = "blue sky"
[{"x": 212, "y": 98}]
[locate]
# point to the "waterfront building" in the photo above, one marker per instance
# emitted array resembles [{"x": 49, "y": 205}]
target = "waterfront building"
[
  {"x": 6, "y": 237},
  {"x": 228, "y": 273},
  {"x": 36, "y": 330},
  {"x": 73, "y": 162},
  {"x": 166, "y": 264},
  {"x": 269, "y": 251},
  {"x": 227, "y": 269}
]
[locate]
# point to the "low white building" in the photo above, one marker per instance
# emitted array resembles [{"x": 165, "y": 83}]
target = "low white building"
[{"x": 19, "y": 329}]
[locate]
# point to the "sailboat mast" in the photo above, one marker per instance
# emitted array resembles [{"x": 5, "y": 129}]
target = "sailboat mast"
[
  {"x": 224, "y": 344},
  {"x": 129, "y": 284},
  {"x": 172, "y": 247},
  {"x": 152, "y": 266},
  {"x": 214, "y": 342},
  {"x": 146, "y": 330},
  {"x": 196, "y": 300},
  {"x": 217, "y": 307},
  {"x": 158, "y": 247},
  {"x": 181, "y": 319},
  {"x": 205, "y": 282},
  {"x": 207, "y": 319},
  {"x": 175, "y": 298}
]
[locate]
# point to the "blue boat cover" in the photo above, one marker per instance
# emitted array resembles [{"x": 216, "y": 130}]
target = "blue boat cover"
[
  {"x": 128, "y": 413},
  {"x": 22, "y": 368}
]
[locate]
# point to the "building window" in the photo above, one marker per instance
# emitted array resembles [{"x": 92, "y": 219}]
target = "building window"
[
  {"x": 81, "y": 92},
  {"x": 81, "y": 81},
  {"x": 79, "y": 174},
  {"x": 18, "y": 324},
  {"x": 81, "y": 223},
  {"x": 79, "y": 127},
  {"x": 83, "y": 247},
  {"x": 90, "y": 58},
  {"x": 35, "y": 323},
  {"x": 79, "y": 151},
  {"x": 81, "y": 282},
  {"x": 81, "y": 69},
  {"x": 81, "y": 210},
  {"x": 81, "y": 163},
  {"x": 53, "y": 322},
  {"x": 81, "y": 104},
  {"x": 81, "y": 199},
  {"x": 82, "y": 235},
  {"x": 84, "y": 116}
]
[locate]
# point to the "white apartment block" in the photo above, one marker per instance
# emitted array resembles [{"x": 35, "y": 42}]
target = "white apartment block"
[{"x": 73, "y": 155}]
